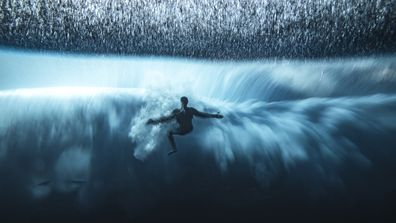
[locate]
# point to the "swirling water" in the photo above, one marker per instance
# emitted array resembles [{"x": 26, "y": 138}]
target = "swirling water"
[{"x": 311, "y": 136}]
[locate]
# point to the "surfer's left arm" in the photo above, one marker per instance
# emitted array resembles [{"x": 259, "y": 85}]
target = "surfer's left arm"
[{"x": 162, "y": 119}]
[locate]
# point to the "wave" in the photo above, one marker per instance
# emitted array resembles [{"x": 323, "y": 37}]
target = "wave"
[
  {"x": 91, "y": 150},
  {"x": 269, "y": 80},
  {"x": 298, "y": 137}
]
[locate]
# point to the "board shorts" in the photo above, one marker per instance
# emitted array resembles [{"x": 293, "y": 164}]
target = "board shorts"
[{"x": 180, "y": 131}]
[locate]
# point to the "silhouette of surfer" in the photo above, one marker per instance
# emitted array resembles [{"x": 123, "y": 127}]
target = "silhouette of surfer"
[{"x": 184, "y": 117}]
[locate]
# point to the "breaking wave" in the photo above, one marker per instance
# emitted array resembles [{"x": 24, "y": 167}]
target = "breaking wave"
[{"x": 295, "y": 141}]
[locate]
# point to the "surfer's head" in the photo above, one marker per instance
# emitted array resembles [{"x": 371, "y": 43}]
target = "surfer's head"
[{"x": 184, "y": 101}]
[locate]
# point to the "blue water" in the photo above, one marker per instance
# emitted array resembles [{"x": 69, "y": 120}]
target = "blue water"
[{"x": 313, "y": 136}]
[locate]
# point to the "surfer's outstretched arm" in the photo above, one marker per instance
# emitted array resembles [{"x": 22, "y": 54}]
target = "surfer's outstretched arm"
[
  {"x": 206, "y": 115},
  {"x": 162, "y": 119}
]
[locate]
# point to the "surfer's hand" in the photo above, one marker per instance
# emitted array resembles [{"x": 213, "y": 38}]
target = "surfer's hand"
[
  {"x": 218, "y": 116},
  {"x": 150, "y": 122}
]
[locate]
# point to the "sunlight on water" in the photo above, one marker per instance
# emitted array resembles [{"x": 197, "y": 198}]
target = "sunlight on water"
[{"x": 267, "y": 80}]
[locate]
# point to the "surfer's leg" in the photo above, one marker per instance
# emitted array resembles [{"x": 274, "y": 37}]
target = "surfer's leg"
[{"x": 171, "y": 141}]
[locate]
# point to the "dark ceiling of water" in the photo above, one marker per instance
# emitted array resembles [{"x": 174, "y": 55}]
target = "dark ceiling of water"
[{"x": 222, "y": 29}]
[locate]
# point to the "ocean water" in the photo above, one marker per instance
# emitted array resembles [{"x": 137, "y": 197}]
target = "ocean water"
[
  {"x": 307, "y": 89},
  {"x": 305, "y": 139}
]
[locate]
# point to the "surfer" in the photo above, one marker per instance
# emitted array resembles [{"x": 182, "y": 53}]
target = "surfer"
[{"x": 184, "y": 117}]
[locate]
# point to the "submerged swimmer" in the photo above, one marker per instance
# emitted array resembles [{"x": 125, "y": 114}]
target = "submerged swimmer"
[{"x": 184, "y": 117}]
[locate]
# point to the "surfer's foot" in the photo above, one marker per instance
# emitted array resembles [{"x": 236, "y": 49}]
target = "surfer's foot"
[{"x": 172, "y": 151}]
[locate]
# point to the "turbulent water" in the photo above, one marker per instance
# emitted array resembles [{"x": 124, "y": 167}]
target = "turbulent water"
[
  {"x": 299, "y": 140},
  {"x": 237, "y": 29}
]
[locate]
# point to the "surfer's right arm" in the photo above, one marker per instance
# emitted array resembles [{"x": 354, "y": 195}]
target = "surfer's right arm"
[{"x": 163, "y": 118}]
